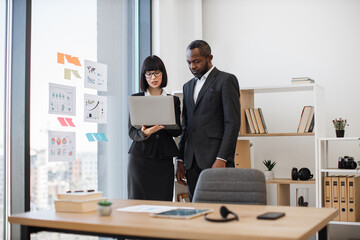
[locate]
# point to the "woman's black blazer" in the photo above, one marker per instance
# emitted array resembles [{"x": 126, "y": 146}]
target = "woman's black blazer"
[{"x": 159, "y": 144}]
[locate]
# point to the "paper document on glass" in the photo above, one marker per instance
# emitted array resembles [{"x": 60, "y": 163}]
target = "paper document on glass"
[{"x": 147, "y": 208}]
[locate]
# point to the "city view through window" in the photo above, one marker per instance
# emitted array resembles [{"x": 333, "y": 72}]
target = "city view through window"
[{"x": 68, "y": 28}]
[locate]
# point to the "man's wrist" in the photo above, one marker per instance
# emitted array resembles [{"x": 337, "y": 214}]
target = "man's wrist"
[
  {"x": 221, "y": 159},
  {"x": 179, "y": 160}
]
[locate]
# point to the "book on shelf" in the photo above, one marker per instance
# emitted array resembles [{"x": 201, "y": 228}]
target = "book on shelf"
[
  {"x": 259, "y": 121},
  {"x": 249, "y": 120},
  {"x": 263, "y": 120},
  {"x": 252, "y": 114},
  {"x": 310, "y": 120},
  {"x": 311, "y": 128},
  {"x": 79, "y": 196},
  {"x": 301, "y": 80},
  {"x": 77, "y": 206},
  {"x": 305, "y": 116}
]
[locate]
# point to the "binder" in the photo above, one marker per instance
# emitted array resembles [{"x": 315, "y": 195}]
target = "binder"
[
  {"x": 242, "y": 154},
  {"x": 343, "y": 198},
  {"x": 335, "y": 195},
  {"x": 353, "y": 198},
  {"x": 327, "y": 192}
]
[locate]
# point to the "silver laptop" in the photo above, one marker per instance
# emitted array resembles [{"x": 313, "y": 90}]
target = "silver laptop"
[{"x": 152, "y": 110}]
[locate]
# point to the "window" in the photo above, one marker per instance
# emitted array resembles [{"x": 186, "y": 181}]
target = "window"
[
  {"x": 67, "y": 38},
  {"x": 2, "y": 115}
]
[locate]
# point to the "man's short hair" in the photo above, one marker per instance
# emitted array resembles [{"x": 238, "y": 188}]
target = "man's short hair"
[{"x": 204, "y": 47}]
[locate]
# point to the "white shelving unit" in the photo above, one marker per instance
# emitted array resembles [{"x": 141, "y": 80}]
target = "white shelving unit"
[
  {"x": 323, "y": 170},
  {"x": 247, "y": 100}
]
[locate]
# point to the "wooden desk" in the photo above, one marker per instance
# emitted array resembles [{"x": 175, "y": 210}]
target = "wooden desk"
[
  {"x": 283, "y": 189},
  {"x": 299, "y": 223}
]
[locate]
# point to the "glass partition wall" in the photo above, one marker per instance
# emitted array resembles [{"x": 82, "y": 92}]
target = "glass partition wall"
[{"x": 82, "y": 70}]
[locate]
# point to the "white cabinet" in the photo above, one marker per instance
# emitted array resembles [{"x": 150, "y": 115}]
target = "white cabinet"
[{"x": 327, "y": 165}]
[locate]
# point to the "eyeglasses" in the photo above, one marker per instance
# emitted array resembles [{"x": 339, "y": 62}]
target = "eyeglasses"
[{"x": 149, "y": 75}]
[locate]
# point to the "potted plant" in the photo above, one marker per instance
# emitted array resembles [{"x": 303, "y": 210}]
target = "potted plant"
[
  {"x": 339, "y": 125},
  {"x": 104, "y": 208},
  {"x": 269, "y": 165}
]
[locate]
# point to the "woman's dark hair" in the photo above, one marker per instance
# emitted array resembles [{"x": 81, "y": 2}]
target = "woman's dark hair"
[{"x": 152, "y": 63}]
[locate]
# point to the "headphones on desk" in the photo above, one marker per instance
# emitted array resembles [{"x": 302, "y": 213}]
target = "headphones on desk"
[{"x": 224, "y": 213}]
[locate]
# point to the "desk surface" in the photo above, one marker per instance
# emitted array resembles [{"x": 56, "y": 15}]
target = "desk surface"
[{"x": 299, "y": 223}]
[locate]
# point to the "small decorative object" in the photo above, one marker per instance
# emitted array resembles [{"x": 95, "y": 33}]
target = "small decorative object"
[
  {"x": 294, "y": 174},
  {"x": 269, "y": 165},
  {"x": 340, "y": 125},
  {"x": 104, "y": 208},
  {"x": 303, "y": 174},
  {"x": 347, "y": 162},
  {"x": 302, "y": 197}
]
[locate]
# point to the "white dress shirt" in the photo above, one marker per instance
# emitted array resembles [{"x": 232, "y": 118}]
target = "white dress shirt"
[{"x": 200, "y": 82}]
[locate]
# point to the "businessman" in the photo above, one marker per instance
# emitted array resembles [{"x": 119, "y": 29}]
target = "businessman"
[{"x": 210, "y": 117}]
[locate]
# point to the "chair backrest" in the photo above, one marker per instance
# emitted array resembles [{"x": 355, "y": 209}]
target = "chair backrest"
[{"x": 231, "y": 185}]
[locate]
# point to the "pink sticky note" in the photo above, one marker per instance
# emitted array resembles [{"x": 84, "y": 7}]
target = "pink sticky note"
[
  {"x": 69, "y": 121},
  {"x": 62, "y": 122}
]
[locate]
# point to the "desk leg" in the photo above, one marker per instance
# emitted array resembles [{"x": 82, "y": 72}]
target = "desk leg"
[
  {"x": 283, "y": 194},
  {"x": 25, "y": 232},
  {"x": 323, "y": 233}
]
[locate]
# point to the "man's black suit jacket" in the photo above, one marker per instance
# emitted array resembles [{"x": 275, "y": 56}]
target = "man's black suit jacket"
[
  {"x": 210, "y": 126},
  {"x": 160, "y": 144}
]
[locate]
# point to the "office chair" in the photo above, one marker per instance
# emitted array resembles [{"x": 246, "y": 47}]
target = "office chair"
[{"x": 231, "y": 185}]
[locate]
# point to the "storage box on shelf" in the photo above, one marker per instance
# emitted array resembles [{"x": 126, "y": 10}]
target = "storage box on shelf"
[
  {"x": 248, "y": 101},
  {"x": 345, "y": 191}
]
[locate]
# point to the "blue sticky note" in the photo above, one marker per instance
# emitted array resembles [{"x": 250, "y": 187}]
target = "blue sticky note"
[
  {"x": 98, "y": 138},
  {"x": 103, "y": 137},
  {"x": 90, "y": 137}
]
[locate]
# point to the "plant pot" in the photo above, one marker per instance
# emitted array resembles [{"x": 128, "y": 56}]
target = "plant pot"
[
  {"x": 340, "y": 133},
  {"x": 104, "y": 210},
  {"x": 269, "y": 175}
]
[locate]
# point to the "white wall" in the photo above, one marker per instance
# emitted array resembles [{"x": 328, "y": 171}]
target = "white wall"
[
  {"x": 175, "y": 24},
  {"x": 267, "y": 42}
]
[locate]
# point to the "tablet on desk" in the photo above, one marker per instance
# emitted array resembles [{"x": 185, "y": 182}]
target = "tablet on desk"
[
  {"x": 154, "y": 110},
  {"x": 182, "y": 213}
]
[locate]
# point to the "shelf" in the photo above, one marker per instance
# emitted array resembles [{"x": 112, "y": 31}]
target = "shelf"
[
  {"x": 290, "y": 181},
  {"x": 336, "y": 170},
  {"x": 340, "y": 139},
  {"x": 345, "y": 223},
  {"x": 283, "y": 188},
  {"x": 276, "y": 134},
  {"x": 283, "y": 88}
]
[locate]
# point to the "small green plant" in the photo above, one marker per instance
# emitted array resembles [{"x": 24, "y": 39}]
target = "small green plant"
[
  {"x": 269, "y": 165},
  {"x": 104, "y": 203},
  {"x": 340, "y": 123}
]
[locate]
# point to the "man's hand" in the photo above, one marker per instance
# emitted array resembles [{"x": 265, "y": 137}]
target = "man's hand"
[
  {"x": 180, "y": 173},
  {"x": 219, "y": 163},
  {"x": 148, "y": 131}
]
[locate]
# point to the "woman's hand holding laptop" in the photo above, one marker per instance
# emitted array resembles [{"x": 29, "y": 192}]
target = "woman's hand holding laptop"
[{"x": 150, "y": 130}]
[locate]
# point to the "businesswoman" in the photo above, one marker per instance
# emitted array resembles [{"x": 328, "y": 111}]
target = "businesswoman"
[{"x": 151, "y": 168}]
